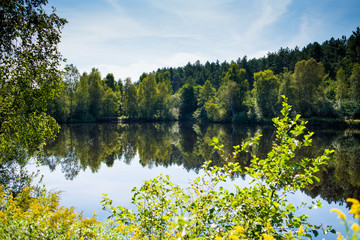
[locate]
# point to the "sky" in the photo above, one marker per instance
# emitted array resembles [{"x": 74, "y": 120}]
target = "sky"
[{"x": 129, "y": 37}]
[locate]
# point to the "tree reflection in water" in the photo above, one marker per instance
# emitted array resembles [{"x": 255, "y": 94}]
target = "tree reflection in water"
[{"x": 82, "y": 146}]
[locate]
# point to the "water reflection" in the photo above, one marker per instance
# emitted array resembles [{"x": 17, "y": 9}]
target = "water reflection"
[
  {"x": 341, "y": 178},
  {"x": 83, "y": 146}
]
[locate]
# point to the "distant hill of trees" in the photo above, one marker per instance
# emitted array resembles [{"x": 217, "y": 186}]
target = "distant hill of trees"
[{"x": 320, "y": 80}]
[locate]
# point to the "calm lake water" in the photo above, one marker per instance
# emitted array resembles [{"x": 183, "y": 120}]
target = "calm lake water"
[{"x": 87, "y": 160}]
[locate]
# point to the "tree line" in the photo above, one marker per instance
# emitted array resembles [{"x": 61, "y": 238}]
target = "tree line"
[{"x": 321, "y": 81}]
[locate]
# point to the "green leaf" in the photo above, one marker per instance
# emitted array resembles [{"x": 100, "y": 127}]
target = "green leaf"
[
  {"x": 316, "y": 178},
  {"x": 290, "y": 207}
]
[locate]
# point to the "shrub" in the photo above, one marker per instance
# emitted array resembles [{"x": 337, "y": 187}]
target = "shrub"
[
  {"x": 28, "y": 216},
  {"x": 205, "y": 210}
]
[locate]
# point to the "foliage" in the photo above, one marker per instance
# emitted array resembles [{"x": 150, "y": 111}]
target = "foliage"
[
  {"x": 37, "y": 214},
  {"x": 111, "y": 104},
  {"x": 266, "y": 91},
  {"x": 207, "y": 93},
  {"x": 86, "y": 98},
  {"x": 206, "y": 210},
  {"x": 130, "y": 99},
  {"x": 355, "y": 83},
  {"x": 188, "y": 102},
  {"x": 342, "y": 88},
  {"x": 71, "y": 77},
  {"x": 29, "y": 79},
  {"x": 147, "y": 94},
  {"x": 29, "y": 76},
  {"x": 154, "y": 94},
  {"x": 212, "y": 111},
  {"x": 164, "y": 96},
  {"x": 236, "y": 89},
  {"x": 59, "y": 108},
  {"x": 308, "y": 76},
  {"x": 353, "y": 46}
]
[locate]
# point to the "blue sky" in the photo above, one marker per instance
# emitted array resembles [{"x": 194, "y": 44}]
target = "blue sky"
[{"x": 129, "y": 37}]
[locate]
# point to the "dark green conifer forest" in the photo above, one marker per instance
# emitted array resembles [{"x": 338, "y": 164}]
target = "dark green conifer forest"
[{"x": 322, "y": 82}]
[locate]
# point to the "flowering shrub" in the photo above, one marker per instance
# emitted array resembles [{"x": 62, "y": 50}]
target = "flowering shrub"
[{"x": 40, "y": 217}]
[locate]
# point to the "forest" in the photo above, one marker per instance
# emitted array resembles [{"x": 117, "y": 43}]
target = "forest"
[{"x": 322, "y": 82}]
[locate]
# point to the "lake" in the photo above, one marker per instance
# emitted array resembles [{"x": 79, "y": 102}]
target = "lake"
[{"x": 87, "y": 160}]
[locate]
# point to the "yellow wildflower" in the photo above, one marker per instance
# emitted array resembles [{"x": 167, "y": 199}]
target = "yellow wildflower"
[
  {"x": 233, "y": 237},
  {"x": 301, "y": 230},
  {"x": 341, "y": 214},
  {"x": 269, "y": 227},
  {"x": 340, "y": 237},
  {"x": 267, "y": 237},
  {"x": 355, "y": 227},
  {"x": 2, "y": 216},
  {"x": 355, "y": 207},
  {"x": 121, "y": 227},
  {"x": 352, "y": 200},
  {"x": 239, "y": 229},
  {"x": 219, "y": 238}
]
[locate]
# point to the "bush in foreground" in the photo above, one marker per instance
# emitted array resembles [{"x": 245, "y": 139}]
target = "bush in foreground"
[{"x": 205, "y": 210}]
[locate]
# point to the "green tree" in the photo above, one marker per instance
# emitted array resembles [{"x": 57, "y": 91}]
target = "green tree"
[
  {"x": 308, "y": 76},
  {"x": 110, "y": 81},
  {"x": 147, "y": 97},
  {"x": 29, "y": 75},
  {"x": 82, "y": 101},
  {"x": 266, "y": 91},
  {"x": 212, "y": 110},
  {"x": 59, "y": 107},
  {"x": 188, "y": 102},
  {"x": 342, "y": 85},
  {"x": 71, "y": 77},
  {"x": 96, "y": 93},
  {"x": 120, "y": 86},
  {"x": 207, "y": 92},
  {"x": 130, "y": 99},
  {"x": 164, "y": 77},
  {"x": 164, "y": 90},
  {"x": 110, "y": 104},
  {"x": 226, "y": 95},
  {"x": 235, "y": 78},
  {"x": 287, "y": 87},
  {"x": 163, "y": 101},
  {"x": 353, "y": 46},
  {"x": 355, "y": 83}
]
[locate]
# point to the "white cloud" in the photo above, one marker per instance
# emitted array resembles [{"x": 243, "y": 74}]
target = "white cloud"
[
  {"x": 97, "y": 28},
  {"x": 189, "y": 10},
  {"x": 259, "y": 54},
  {"x": 181, "y": 59},
  {"x": 135, "y": 69},
  {"x": 253, "y": 29},
  {"x": 307, "y": 30},
  {"x": 269, "y": 13}
]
